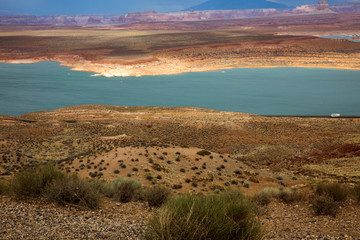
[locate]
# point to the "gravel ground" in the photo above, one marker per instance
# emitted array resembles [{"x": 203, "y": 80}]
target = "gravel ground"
[
  {"x": 35, "y": 219},
  {"x": 297, "y": 221}
]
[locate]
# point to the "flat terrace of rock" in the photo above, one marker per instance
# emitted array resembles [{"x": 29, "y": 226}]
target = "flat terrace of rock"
[{"x": 172, "y": 48}]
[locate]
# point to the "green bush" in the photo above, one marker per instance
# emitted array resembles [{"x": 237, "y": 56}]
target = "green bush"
[
  {"x": 325, "y": 205},
  {"x": 338, "y": 192},
  {"x": 156, "y": 196},
  {"x": 31, "y": 182},
  {"x": 228, "y": 215},
  {"x": 124, "y": 189},
  {"x": 73, "y": 190}
]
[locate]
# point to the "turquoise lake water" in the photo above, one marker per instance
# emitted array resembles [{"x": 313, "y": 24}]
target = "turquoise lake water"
[
  {"x": 304, "y": 91},
  {"x": 348, "y": 37}
]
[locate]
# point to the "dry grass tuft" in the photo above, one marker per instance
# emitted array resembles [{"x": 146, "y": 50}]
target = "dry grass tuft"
[
  {"x": 73, "y": 190},
  {"x": 156, "y": 196},
  {"x": 267, "y": 195},
  {"x": 228, "y": 215},
  {"x": 32, "y": 182}
]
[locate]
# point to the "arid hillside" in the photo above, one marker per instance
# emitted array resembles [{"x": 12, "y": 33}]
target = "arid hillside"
[
  {"x": 275, "y": 160},
  {"x": 144, "y": 142}
]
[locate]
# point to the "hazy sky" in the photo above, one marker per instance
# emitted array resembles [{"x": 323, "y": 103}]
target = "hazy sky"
[
  {"x": 41, "y": 7},
  {"x": 44, "y": 7}
]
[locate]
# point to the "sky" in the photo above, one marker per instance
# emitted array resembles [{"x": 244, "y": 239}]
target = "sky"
[
  {"x": 48, "y": 7},
  {"x": 44, "y": 7}
]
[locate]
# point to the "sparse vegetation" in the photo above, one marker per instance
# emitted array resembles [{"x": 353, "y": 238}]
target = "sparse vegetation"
[
  {"x": 325, "y": 205},
  {"x": 254, "y": 179},
  {"x": 149, "y": 177},
  {"x": 221, "y": 216},
  {"x": 266, "y": 196},
  {"x": 337, "y": 191},
  {"x": 265, "y": 153},
  {"x": 156, "y": 195},
  {"x": 300, "y": 142},
  {"x": 73, "y": 190},
  {"x": 328, "y": 197},
  {"x": 287, "y": 195},
  {"x": 32, "y": 182},
  {"x": 4, "y": 187},
  {"x": 177, "y": 186},
  {"x": 238, "y": 172},
  {"x": 356, "y": 192},
  {"x": 203, "y": 153},
  {"x": 124, "y": 189},
  {"x": 245, "y": 184}
]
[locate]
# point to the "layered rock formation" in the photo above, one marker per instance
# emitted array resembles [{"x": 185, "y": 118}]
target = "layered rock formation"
[
  {"x": 238, "y": 4},
  {"x": 346, "y": 8},
  {"x": 151, "y": 16},
  {"x": 321, "y": 8}
]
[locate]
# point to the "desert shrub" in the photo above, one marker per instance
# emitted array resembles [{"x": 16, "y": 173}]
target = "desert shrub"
[
  {"x": 156, "y": 196},
  {"x": 267, "y": 195},
  {"x": 124, "y": 189},
  {"x": 356, "y": 192},
  {"x": 338, "y": 192},
  {"x": 328, "y": 197},
  {"x": 4, "y": 187},
  {"x": 289, "y": 195},
  {"x": 227, "y": 215},
  {"x": 177, "y": 186},
  {"x": 100, "y": 185},
  {"x": 31, "y": 182},
  {"x": 73, "y": 190},
  {"x": 203, "y": 153},
  {"x": 216, "y": 187},
  {"x": 325, "y": 205}
]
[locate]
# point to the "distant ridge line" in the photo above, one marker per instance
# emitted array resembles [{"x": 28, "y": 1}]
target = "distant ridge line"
[{"x": 312, "y": 116}]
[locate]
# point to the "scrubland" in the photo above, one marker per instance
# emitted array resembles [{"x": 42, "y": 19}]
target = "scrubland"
[{"x": 167, "y": 168}]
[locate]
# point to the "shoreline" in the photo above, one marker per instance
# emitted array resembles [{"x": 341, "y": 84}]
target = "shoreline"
[
  {"x": 168, "y": 56},
  {"x": 158, "y": 68}
]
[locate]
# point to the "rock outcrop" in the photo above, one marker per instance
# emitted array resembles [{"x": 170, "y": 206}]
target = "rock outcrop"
[
  {"x": 151, "y": 16},
  {"x": 320, "y": 8}
]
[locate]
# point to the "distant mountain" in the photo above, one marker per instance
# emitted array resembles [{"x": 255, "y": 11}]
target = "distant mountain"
[{"x": 236, "y": 4}]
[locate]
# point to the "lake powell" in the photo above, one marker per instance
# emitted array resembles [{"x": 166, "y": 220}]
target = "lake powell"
[{"x": 266, "y": 91}]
